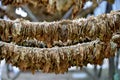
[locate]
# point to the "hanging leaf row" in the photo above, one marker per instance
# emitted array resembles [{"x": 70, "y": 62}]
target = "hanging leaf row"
[
  {"x": 98, "y": 30},
  {"x": 56, "y": 59},
  {"x": 60, "y": 5},
  {"x": 66, "y": 31}
]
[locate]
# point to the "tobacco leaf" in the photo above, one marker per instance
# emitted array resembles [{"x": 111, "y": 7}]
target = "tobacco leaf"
[
  {"x": 101, "y": 27},
  {"x": 56, "y": 59}
]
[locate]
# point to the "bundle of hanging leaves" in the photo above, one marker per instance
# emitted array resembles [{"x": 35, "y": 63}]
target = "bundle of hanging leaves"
[
  {"x": 60, "y": 5},
  {"x": 56, "y": 46},
  {"x": 51, "y": 4},
  {"x": 51, "y": 7},
  {"x": 81, "y": 41}
]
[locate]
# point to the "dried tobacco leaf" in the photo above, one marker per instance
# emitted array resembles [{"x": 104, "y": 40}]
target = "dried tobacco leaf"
[
  {"x": 52, "y": 5},
  {"x": 116, "y": 39},
  {"x": 56, "y": 59},
  {"x": 75, "y": 31},
  {"x": 15, "y": 2},
  {"x": 111, "y": 1}
]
